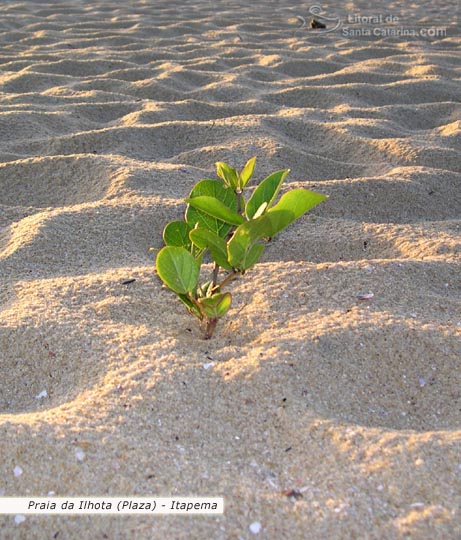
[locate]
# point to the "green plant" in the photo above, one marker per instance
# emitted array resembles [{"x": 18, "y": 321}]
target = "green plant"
[{"x": 220, "y": 222}]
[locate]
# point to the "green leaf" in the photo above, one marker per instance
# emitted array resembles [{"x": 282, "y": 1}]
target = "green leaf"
[
  {"x": 242, "y": 204},
  {"x": 215, "y": 188},
  {"x": 228, "y": 174},
  {"x": 216, "y": 306},
  {"x": 200, "y": 219},
  {"x": 241, "y": 250},
  {"x": 237, "y": 249},
  {"x": 191, "y": 306},
  {"x": 178, "y": 269},
  {"x": 276, "y": 220},
  {"x": 224, "y": 304},
  {"x": 266, "y": 192},
  {"x": 253, "y": 255},
  {"x": 298, "y": 202},
  {"x": 176, "y": 233},
  {"x": 215, "y": 208},
  {"x": 212, "y": 188},
  {"x": 205, "y": 239},
  {"x": 260, "y": 211},
  {"x": 247, "y": 172}
]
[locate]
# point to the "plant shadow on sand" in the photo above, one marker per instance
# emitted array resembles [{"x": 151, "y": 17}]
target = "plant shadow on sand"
[
  {"x": 300, "y": 333},
  {"x": 387, "y": 363},
  {"x": 304, "y": 365}
]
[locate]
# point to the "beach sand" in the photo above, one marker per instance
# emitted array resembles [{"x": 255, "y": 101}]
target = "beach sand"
[{"x": 313, "y": 413}]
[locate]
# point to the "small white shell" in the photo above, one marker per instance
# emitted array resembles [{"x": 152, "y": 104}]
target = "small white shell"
[
  {"x": 79, "y": 454},
  {"x": 42, "y": 394},
  {"x": 365, "y": 296},
  {"x": 208, "y": 365}
]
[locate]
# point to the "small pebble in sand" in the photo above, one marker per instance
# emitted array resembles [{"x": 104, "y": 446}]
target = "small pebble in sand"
[
  {"x": 42, "y": 394},
  {"x": 422, "y": 382},
  {"x": 293, "y": 494},
  {"x": 255, "y": 527},
  {"x": 17, "y": 471},
  {"x": 19, "y": 519},
  {"x": 79, "y": 454}
]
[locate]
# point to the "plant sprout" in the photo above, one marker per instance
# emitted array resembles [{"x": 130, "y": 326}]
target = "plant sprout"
[{"x": 220, "y": 223}]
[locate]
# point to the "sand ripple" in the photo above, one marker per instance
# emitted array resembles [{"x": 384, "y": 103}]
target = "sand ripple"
[{"x": 110, "y": 112}]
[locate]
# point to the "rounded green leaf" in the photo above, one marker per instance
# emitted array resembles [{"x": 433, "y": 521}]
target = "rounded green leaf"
[
  {"x": 215, "y": 188},
  {"x": 178, "y": 269},
  {"x": 244, "y": 249},
  {"x": 211, "y": 188},
  {"x": 215, "y": 208},
  {"x": 176, "y": 233},
  {"x": 205, "y": 239},
  {"x": 216, "y": 306},
  {"x": 253, "y": 255}
]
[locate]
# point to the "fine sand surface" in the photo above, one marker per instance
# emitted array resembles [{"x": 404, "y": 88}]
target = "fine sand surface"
[{"x": 110, "y": 112}]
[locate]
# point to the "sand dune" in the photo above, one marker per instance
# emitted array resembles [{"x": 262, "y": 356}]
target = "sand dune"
[{"x": 110, "y": 112}]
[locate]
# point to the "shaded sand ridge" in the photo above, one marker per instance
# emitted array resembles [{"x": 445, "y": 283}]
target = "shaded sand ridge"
[{"x": 109, "y": 113}]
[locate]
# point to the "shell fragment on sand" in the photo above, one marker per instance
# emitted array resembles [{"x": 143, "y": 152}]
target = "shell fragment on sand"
[{"x": 364, "y": 297}]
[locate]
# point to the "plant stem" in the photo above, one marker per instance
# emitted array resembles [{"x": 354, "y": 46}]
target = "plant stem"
[
  {"x": 238, "y": 192},
  {"x": 215, "y": 274},
  {"x": 228, "y": 278},
  {"x": 209, "y": 328}
]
